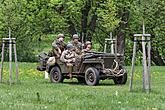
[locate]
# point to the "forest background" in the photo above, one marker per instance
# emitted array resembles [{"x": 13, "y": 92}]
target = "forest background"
[{"x": 36, "y": 23}]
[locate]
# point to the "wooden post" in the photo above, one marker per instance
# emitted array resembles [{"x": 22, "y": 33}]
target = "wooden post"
[
  {"x": 112, "y": 41},
  {"x": 146, "y": 75},
  {"x": 145, "y": 39},
  {"x": 10, "y": 41},
  {"x": 116, "y": 49},
  {"x": 112, "y": 44},
  {"x": 10, "y": 56},
  {"x": 133, "y": 64},
  {"x": 149, "y": 62},
  {"x": 2, "y": 60},
  {"x": 15, "y": 55},
  {"x": 145, "y": 72},
  {"x": 105, "y": 46}
]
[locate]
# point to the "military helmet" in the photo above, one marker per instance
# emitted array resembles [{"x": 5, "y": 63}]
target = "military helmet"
[
  {"x": 69, "y": 46},
  {"x": 75, "y": 36},
  {"x": 88, "y": 42},
  {"x": 60, "y": 35}
]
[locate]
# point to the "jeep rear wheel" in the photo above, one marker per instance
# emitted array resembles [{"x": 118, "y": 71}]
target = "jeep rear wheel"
[
  {"x": 92, "y": 76},
  {"x": 56, "y": 75},
  {"x": 121, "y": 79}
]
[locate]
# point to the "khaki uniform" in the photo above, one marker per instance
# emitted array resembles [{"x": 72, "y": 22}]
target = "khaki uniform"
[
  {"x": 68, "y": 56},
  {"x": 77, "y": 47},
  {"x": 51, "y": 61},
  {"x": 59, "y": 44},
  {"x": 55, "y": 53},
  {"x": 57, "y": 48},
  {"x": 84, "y": 51}
]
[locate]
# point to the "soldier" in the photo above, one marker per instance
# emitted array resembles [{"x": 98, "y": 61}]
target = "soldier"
[
  {"x": 54, "y": 54},
  {"x": 77, "y": 45},
  {"x": 60, "y": 42},
  {"x": 57, "y": 47},
  {"x": 68, "y": 56},
  {"x": 88, "y": 47}
]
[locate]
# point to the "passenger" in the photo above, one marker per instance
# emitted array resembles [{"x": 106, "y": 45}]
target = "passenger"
[
  {"x": 77, "y": 45},
  {"x": 57, "y": 47},
  {"x": 69, "y": 56},
  {"x": 88, "y": 47},
  {"x": 60, "y": 42},
  {"x": 54, "y": 54}
]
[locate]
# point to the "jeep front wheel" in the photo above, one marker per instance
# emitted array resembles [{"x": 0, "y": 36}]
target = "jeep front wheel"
[
  {"x": 92, "y": 76},
  {"x": 121, "y": 80},
  {"x": 56, "y": 75}
]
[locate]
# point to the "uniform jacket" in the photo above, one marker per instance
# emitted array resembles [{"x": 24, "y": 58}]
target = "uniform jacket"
[
  {"x": 68, "y": 55},
  {"x": 77, "y": 47}
]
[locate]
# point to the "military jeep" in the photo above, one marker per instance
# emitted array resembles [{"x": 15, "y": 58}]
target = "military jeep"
[{"x": 89, "y": 69}]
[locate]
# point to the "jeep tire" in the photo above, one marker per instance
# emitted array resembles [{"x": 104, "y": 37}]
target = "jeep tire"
[
  {"x": 120, "y": 80},
  {"x": 92, "y": 76},
  {"x": 56, "y": 75}
]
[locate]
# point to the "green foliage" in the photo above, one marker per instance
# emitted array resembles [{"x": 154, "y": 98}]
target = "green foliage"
[
  {"x": 107, "y": 15},
  {"x": 32, "y": 21},
  {"x": 152, "y": 13}
]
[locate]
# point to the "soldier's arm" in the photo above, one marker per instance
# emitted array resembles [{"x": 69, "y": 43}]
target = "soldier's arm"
[
  {"x": 62, "y": 58},
  {"x": 54, "y": 43}
]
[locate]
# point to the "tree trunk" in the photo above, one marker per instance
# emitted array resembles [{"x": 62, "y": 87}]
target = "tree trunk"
[
  {"x": 121, "y": 34},
  {"x": 92, "y": 26},
  {"x": 84, "y": 20},
  {"x": 71, "y": 27},
  {"x": 156, "y": 57}
]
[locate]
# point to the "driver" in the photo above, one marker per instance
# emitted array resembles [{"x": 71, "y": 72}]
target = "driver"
[{"x": 88, "y": 47}]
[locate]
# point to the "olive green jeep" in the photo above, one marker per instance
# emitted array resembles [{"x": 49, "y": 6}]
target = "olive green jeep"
[{"x": 89, "y": 69}]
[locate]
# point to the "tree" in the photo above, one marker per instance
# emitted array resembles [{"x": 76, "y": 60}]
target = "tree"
[{"x": 152, "y": 13}]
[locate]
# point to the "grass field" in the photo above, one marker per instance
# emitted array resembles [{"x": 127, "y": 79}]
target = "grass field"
[{"x": 33, "y": 92}]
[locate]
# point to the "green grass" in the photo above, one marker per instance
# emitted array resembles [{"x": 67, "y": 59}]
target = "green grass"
[{"x": 33, "y": 92}]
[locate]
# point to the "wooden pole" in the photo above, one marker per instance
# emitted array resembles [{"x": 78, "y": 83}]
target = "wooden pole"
[
  {"x": 145, "y": 71},
  {"x": 143, "y": 75},
  {"x": 2, "y": 60},
  {"x": 145, "y": 39},
  {"x": 15, "y": 55},
  {"x": 133, "y": 64},
  {"x": 105, "y": 46},
  {"x": 112, "y": 44},
  {"x": 149, "y": 62},
  {"x": 10, "y": 56},
  {"x": 116, "y": 49}
]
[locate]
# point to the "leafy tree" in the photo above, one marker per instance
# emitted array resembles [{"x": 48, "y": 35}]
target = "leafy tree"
[{"x": 152, "y": 13}]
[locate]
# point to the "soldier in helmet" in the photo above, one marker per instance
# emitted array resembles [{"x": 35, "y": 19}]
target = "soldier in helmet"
[
  {"x": 68, "y": 56},
  {"x": 88, "y": 47},
  {"x": 60, "y": 42},
  {"x": 57, "y": 47},
  {"x": 54, "y": 54},
  {"x": 77, "y": 45}
]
